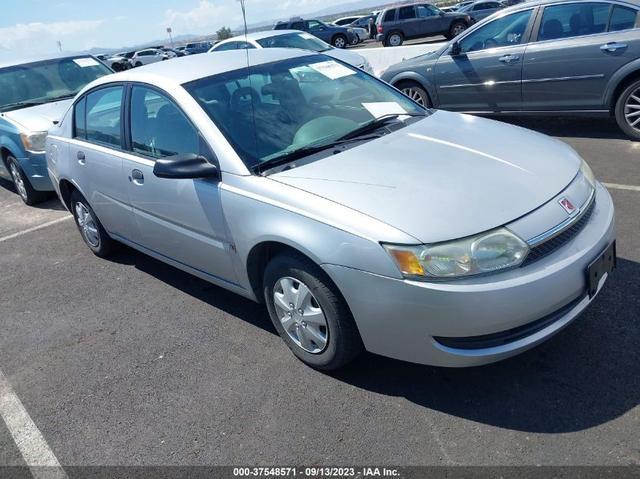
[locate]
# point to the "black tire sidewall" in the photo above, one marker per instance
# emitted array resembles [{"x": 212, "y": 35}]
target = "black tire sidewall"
[
  {"x": 343, "y": 340},
  {"x": 391, "y": 35},
  {"x": 453, "y": 25},
  {"x": 33, "y": 196},
  {"x": 416, "y": 86},
  {"x": 619, "y": 111},
  {"x": 106, "y": 243},
  {"x": 344, "y": 39}
]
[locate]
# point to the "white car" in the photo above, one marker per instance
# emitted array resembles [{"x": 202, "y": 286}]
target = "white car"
[
  {"x": 148, "y": 56},
  {"x": 118, "y": 62},
  {"x": 292, "y": 39}
]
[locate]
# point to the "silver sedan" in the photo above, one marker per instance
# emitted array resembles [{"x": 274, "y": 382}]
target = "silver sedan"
[{"x": 361, "y": 219}]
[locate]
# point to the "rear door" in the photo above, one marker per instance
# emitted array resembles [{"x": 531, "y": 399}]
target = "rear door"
[
  {"x": 180, "y": 219},
  {"x": 482, "y": 10},
  {"x": 579, "y": 46},
  {"x": 487, "y": 73},
  {"x": 431, "y": 22}
]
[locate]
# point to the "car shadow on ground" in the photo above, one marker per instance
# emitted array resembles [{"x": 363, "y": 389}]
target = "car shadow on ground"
[
  {"x": 587, "y": 375},
  {"x": 51, "y": 203},
  {"x": 578, "y": 127}
]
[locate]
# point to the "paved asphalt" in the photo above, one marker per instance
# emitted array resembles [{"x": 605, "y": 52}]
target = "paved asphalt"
[{"x": 132, "y": 362}]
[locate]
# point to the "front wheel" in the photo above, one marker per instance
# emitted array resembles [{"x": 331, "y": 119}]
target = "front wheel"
[
  {"x": 309, "y": 313},
  {"x": 414, "y": 91},
  {"x": 628, "y": 110},
  {"x": 456, "y": 29},
  {"x": 29, "y": 195},
  {"x": 394, "y": 39},
  {"x": 91, "y": 230},
  {"x": 339, "y": 41}
]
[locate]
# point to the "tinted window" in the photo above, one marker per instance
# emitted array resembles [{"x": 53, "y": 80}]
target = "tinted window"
[
  {"x": 426, "y": 11},
  {"x": 80, "y": 119},
  {"x": 103, "y": 116},
  {"x": 622, "y": 18},
  {"x": 572, "y": 20},
  {"x": 245, "y": 45},
  {"x": 389, "y": 16},
  {"x": 305, "y": 41},
  {"x": 227, "y": 46},
  {"x": 508, "y": 30},
  {"x": 480, "y": 6},
  {"x": 158, "y": 126},
  {"x": 314, "y": 25},
  {"x": 297, "y": 26},
  {"x": 406, "y": 13}
]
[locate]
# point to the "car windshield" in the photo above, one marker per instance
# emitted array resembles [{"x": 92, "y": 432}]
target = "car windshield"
[
  {"x": 304, "y": 41},
  {"x": 269, "y": 111},
  {"x": 46, "y": 81}
]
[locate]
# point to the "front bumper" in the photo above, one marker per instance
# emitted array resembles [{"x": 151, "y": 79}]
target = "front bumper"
[
  {"x": 401, "y": 318},
  {"x": 34, "y": 166}
]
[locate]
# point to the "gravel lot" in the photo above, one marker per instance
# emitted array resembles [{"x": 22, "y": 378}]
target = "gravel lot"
[{"x": 131, "y": 362}]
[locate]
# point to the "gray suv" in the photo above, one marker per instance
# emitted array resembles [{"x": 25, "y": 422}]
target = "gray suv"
[
  {"x": 542, "y": 57},
  {"x": 397, "y": 24},
  {"x": 335, "y": 35}
]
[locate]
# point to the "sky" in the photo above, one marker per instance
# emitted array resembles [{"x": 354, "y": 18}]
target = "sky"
[{"x": 33, "y": 27}]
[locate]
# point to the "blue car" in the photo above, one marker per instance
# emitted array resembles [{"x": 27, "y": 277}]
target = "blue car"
[{"x": 34, "y": 96}]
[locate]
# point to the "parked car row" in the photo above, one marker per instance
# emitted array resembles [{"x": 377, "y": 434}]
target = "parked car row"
[{"x": 335, "y": 35}]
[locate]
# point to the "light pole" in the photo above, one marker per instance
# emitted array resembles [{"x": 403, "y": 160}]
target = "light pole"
[{"x": 169, "y": 31}]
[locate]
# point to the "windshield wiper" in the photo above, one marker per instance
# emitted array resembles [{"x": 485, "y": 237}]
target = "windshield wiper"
[
  {"x": 375, "y": 124},
  {"x": 306, "y": 151}
]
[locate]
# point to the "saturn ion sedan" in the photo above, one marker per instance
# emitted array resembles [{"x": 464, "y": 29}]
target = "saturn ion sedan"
[{"x": 361, "y": 219}]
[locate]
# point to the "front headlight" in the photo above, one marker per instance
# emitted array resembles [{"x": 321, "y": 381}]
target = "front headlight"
[
  {"x": 34, "y": 142},
  {"x": 588, "y": 173},
  {"x": 484, "y": 253}
]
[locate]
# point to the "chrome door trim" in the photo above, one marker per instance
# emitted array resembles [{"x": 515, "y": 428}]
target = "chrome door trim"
[
  {"x": 488, "y": 83},
  {"x": 569, "y": 78}
]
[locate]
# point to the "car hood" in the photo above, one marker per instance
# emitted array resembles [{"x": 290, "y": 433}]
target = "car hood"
[
  {"x": 444, "y": 177},
  {"x": 40, "y": 117},
  {"x": 346, "y": 56}
]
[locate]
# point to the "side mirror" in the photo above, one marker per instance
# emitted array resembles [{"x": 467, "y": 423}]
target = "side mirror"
[
  {"x": 189, "y": 166},
  {"x": 454, "y": 51}
]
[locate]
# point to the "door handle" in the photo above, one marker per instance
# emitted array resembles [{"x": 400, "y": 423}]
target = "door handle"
[
  {"x": 509, "y": 58},
  {"x": 81, "y": 158},
  {"x": 612, "y": 47},
  {"x": 137, "y": 177}
]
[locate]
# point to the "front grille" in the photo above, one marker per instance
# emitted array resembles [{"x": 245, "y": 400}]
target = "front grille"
[
  {"x": 555, "y": 243},
  {"x": 510, "y": 335}
]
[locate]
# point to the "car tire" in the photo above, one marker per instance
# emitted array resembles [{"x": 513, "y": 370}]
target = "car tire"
[
  {"x": 138, "y": 64},
  {"x": 91, "y": 230},
  {"x": 29, "y": 195},
  {"x": 394, "y": 39},
  {"x": 627, "y": 110},
  {"x": 339, "y": 41},
  {"x": 456, "y": 29},
  {"x": 328, "y": 342},
  {"x": 415, "y": 91}
]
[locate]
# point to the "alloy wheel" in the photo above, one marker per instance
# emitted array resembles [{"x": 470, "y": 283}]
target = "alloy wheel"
[
  {"x": 415, "y": 95},
  {"x": 458, "y": 29},
  {"x": 18, "y": 181},
  {"x": 339, "y": 42},
  {"x": 300, "y": 314},
  {"x": 632, "y": 109},
  {"x": 87, "y": 225},
  {"x": 395, "y": 40}
]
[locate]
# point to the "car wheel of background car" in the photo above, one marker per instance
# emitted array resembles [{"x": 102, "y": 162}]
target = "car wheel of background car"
[
  {"x": 394, "y": 39},
  {"x": 29, "y": 195},
  {"x": 309, "y": 313},
  {"x": 414, "y": 91},
  {"x": 138, "y": 64},
  {"x": 339, "y": 41},
  {"x": 456, "y": 29},
  {"x": 116, "y": 67},
  {"x": 91, "y": 230},
  {"x": 628, "y": 110}
]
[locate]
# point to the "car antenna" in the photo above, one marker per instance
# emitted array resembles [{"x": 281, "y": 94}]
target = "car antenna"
[{"x": 246, "y": 50}]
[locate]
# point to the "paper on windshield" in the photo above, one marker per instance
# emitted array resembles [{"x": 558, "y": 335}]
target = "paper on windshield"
[
  {"x": 332, "y": 69},
  {"x": 85, "y": 62},
  {"x": 382, "y": 108},
  {"x": 308, "y": 36}
]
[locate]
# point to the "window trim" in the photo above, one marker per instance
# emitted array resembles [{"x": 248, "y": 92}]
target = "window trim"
[
  {"x": 210, "y": 154},
  {"x": 84, "y": 96}
]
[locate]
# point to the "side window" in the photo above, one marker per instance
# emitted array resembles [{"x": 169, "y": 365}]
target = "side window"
[
  {"x": 80, "y": 119},
  {"x": 314, "y": 25},
  {"x": 479, "y": 6},
  {"x": 389, "y": 16},
  {"x": 622, "y": 18},
  {"x": 297, "y": 26},
  {"x": 158, "y": 127},
  {"x": 406, "y": 13},
  {"x": 504, "y": 31},
  {"x": 245, "y": 46},
  {"x": 425, "y": 11},
  {"x": 103, "y": 116},
  {"x": 573, "y": 20},
  {"x": 227, "y": 46}
]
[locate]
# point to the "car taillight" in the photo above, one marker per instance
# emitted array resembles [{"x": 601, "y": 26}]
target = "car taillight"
[{"x": 379, "y": 28}]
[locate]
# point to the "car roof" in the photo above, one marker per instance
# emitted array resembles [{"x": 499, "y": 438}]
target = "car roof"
[
  {"x": 179, "y": 71},
  {"x": 28, "y": 61},
  {"x": 533, "y": 3},
  {"x": 259, "y": 35}
]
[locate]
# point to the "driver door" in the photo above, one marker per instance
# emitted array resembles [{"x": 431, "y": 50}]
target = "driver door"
[
  {"x": 179, "y": 219},
  {"x": 486, "y": 74}
]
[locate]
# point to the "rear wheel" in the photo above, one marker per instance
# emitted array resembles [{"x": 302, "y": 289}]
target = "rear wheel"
[
  {"x": 628, "y": 110},
  {"x": 309, "y": 313},
  {"x": 394, "y": 39},
  {"x": 28, "y": 194},
  {"x": 339, "y": 41},
  {"x": 456, "y": 29},
  {"x": 138, "y": 64},
  {"x": 414, "y": 91},
  {"x": 91, "y": 230}
]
